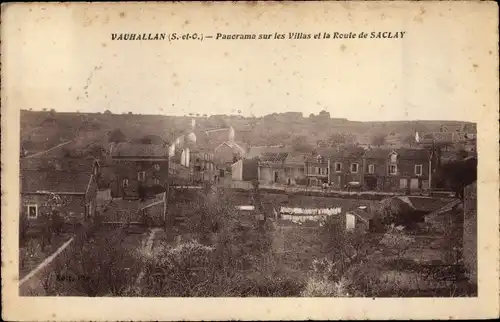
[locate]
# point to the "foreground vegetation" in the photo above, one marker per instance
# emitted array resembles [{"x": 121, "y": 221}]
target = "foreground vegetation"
[{"x": 222, "y": 252}]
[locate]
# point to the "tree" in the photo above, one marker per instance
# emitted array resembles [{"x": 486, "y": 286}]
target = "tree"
[
  {"x": 378, "y": 140},
  {"x": 107, "y": 112},
  {"x": 337, "y": 139},
  {"x": 324, "y": 115},
  {"x": 117, "y": 136},
  {"x": 456, "y": 175},
  {"x": 301, "y": 144},
  {"x": 408, "y": 139}
]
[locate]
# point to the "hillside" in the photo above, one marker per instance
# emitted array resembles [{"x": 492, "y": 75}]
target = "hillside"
[{"x": 43, "y": 129}]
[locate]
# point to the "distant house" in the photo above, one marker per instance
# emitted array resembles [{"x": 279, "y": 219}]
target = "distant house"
[
  {"x": 138, "y": 168},
  {"x": 408, "y": 169},
  {"x": 202, "y": 164},
  {"x": 317, "y": 169},
  {"x": 375, "y": 169},
  {"x": 346, "y": 167},
  {"x": 257, "y": 151},
  {"x": 271, "y": 168},
  {"x": 295, "y": 173},
  {"x": 227, "y": 151},
  {"x": 245, "y": 170},
  {"x": 69, "y": 192}
]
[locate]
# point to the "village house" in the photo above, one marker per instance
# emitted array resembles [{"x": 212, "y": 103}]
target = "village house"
[
  {"x": 256, "y": 151},
  {"x": 245, "y": 170},
  {"x": 271, "y": 168},
  {"x": 138, "y": 168},
  {"x": 317, "y": 169},
  {"x": 375, "y": 169},
  {"x": 346, "y": 167},
  {"x": 69, "y": 192},
  {"x": 202, "y": 165},
  {"x": 408, "y": 170},
  {"x": 295, "y": 173}
]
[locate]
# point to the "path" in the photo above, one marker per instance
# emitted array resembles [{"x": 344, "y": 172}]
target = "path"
[
  {"x": 45, "y": 262},
  {"x": 148, "y": 247},
  {"x": 43, "y": 152}
]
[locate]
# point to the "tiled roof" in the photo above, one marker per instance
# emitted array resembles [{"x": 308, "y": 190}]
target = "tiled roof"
[
  {"x": 428, "y": 204},
  {"x": 257, "y": 151},
  {"x": 296, "y": 158},
  {"x": 273, "y": 157},
  {"x": 349, "y": 153},
  {"x": 54, "y": 181},
  {"x": 361, "y": 214},
  {"x": 377, "y": 153},
  {"x": 65, "y": 164},
  {"x": 413, "y": 154},
  {"x": 139, "y": 150}
]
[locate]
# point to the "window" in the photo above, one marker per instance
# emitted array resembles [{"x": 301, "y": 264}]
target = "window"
[
  {"x": 141, "y": 176},
  {"x": 394, "y": 158},
  {"x": 125, "y": 183},
  {"x": 326, "y": 171},
  {"x": 32, "y": 211},
  {"x": 318, "y": 170},
  {"x": 418, "y": 169},
  {"x": 393, "y": 169},
  {"x": 354, "y": 167},
  {"x": 156, "y": 181},
  {"x": 157, "y": 167},
  {"x": 338, "y": 167},
  {"x": 371, "y": 168}
]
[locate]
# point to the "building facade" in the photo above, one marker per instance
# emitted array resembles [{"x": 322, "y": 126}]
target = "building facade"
[
  {"x": 202, "y": 165},
  {"x": 317, "y": 169},
  {"x": 69, "y": 193},
  {"x": 295, "y": 173},
  {"x": 408, "y": 170},
  {"x": 346, "y": 167},
  {"x": 271, "y": 168},
  {"x": 138, "y": 168},
  {"x": 375, "y": 169}
]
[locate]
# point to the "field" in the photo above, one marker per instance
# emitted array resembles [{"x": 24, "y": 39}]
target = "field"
[{"x": 44, "y": 129}]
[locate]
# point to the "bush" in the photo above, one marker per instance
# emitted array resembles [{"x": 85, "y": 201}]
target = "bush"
[
  {"x": 317, "y": 287},
  {"x": 97, "y": 266}
]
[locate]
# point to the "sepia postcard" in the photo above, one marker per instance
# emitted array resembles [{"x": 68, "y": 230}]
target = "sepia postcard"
[{"x": 250, "y": 161}]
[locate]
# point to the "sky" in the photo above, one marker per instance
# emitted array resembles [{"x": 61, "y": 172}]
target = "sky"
[{"x": 62, "y": 57}]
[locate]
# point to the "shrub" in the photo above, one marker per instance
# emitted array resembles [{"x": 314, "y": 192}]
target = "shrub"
[
  {"x": 185, "y": 270},
  {"x": 317, "y": 287},
  {"x": 99, "y": 265}
]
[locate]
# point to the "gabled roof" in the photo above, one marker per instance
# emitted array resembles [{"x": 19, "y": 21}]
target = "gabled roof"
[
  {"x": 413, "y": 154},
  {"x": 65, "y": 164},
  {"x": 257, "y": 151},
  {"x": 361, "y": 214},
  {"x": 273, "y": 157},
  {"x": 377, "y": 153},
  {"x": 126, "y": 149},
  {"x": 352, "y": 153},
  {"x": 55, "y": 181},
  {"x": 297, "y": 158}
]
